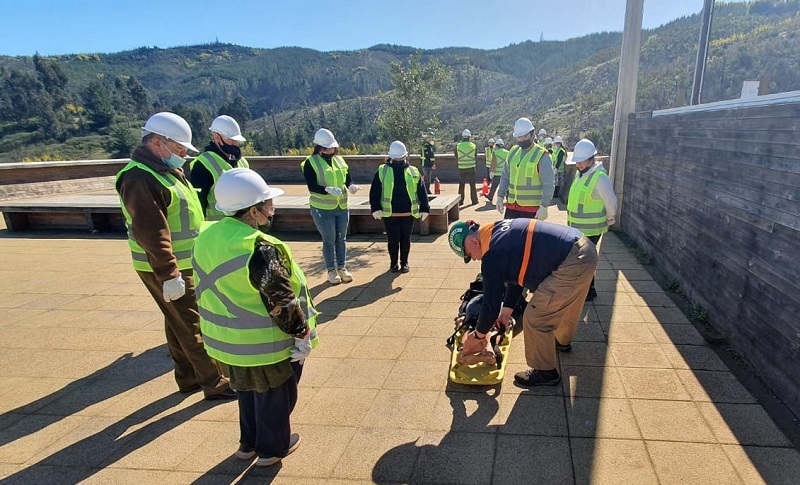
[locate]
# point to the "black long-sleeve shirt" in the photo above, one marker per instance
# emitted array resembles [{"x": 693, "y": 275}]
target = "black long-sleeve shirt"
[
  {"x": 401, "y": 203},
  {"x": 202, "y": 179}
]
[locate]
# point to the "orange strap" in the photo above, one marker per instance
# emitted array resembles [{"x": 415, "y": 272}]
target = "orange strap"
[{"x": 526, "y": 256}]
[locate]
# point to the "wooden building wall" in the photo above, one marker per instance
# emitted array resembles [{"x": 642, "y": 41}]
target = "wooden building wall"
[{"x": 714, "y": 196}]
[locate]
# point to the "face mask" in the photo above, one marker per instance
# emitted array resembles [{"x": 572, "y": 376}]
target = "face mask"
[
  {"x": 173, "y": 161},
  {"x": 525, "y": 144},
  {"x": 234, "y": 152},
  {"x": 583, "y": 171},
  {"x": 266, "y": 227},
  {"x": 326, "y": 157}
]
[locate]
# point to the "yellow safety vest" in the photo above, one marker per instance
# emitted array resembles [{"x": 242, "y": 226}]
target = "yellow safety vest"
[
  {"x": 554, "y": 158},
  {"x": 333, "y": 175},
  {"x": 488, "y": 152},
  {"x": 584, "y": 212},
  {"x": 525, "y": 185},
  {"x": 501, "y": 154},
  {"x": 184, "y": 218},
  {"x": 237, "y": 329},
  {"x": 386, "y": 176},
  {"x": 215, "y": 165},
  {"x": 467, "y": 153}
]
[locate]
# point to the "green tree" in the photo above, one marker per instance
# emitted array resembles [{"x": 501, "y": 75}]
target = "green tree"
[
  {"x": 237, "y": 109},
  {"x": 412, "y": 107},
  {"x": 123, "y": 141},
  {"x": 99, "y": 102}
]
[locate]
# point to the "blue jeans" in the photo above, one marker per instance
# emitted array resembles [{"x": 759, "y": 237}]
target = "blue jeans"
[{"x": 332, "y": 226}]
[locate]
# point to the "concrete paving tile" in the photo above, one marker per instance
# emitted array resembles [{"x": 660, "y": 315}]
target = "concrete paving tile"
[
  {"x": 336, "y": 346},
  {"x": 473, "y": 412},
  {"x": 532, "y": 459},
  {"x": 656, "y": 300},
  {"x": 394, "y": 327},
  {"x": 742, "y": 424},
  {"x": 52, "y": 318},
  {"x": 415, "y": 405},
  {"x": 635, "y": 275},
  {"x": 9, "y": 316},
  {"x": 448, "y": 297},
  {"x": 589, "y": 331},
  {"x": 347, "y": 326},
  {"x": 639, "y": 355},
  {"x": 27, "y": 395},
  {"x": 366, "y": 373},
  {"x": 7, "y": 471},
  {"x": 420, "y": 375},
  {"x": 126, "y": 303},
  {"x": 529, "y": 413},
  {"x": 319, "y": 451},
  {"x": 663, "y": 315},
  {"x": 461, "y": 457},
  {"x": 373, "y": 309},
  {"x": 402, "y": 309},
  {"x": 586, "y": 381},
  {"x": 377, "y": 294},
  {"x": 330, "y": 309},
  {"x": 643, "y": 288},
  {"x": 47, "y": 475},
  {"x": 609, "y": 284},
  {"x": 611, "y": 462},
  {"x": 719, "y": 387},
  {"x": 435, "y": 328},
  {"x": 58, "y": 338},
  {"x": 57, "y": 362},
  {"x": 755, "y": 464},
  {"x": 130, "y": 289},
  {"x": 426, "y": 348},
  {"x": 86, "y": 397},
  {"x": 676, "y": 334},
  {"x": 629, "y": 333},
  {"x": 419, "y": 295},
  {"x": 591, "y": 417},
  {"x": 135, "y": 320},
  {"x": 88, "y": 445},
  {"x": 671, "y": 421},
  {"x": 693, "y": 357},
  {"x": 137, "y": 476},
  {"x": 317, "y": 370},
  {"x": 335, "y": 407},
  {"x": 608, "y": 298},
  {"x": 133, "y": 340},
  {"x": 99, "y": 302},
  {"x": 379, "y": 455},
  {"x": 587, "y": 353},
  {"x": 54, "y": 301},
  {"x": 146, "y": 449},
  {"x": 663, "y": 384},
  {"x": 29, "y": 436},
  {"x": 17, "y": 300},
  {"x": 619, "y": 314},
  {"x": 677, "y": 462},
  {"x": 377, "y": 347},
  {"x": 441, "y": 311},
  {"x": 431, "y": 283}
]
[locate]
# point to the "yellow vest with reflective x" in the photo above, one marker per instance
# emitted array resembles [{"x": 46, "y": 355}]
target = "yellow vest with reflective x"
[
  {"x": 584, "y": 212},
  {"x": 524, "y": 184},
  {"x": 488, "y": 152},
  {"x": 215, "y": 166},
  {"x": 501, "y": 155},
  {"x": 333, "y": 175},
  {"x": 386, "y": 176},
  {"x": 467, "y": 153},
  {"x": 236, "y": 326},
  {"x": 184, "y": 218}
]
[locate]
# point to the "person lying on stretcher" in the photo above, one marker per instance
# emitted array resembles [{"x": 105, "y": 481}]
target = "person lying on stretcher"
[{"x": 481, "y": 350}]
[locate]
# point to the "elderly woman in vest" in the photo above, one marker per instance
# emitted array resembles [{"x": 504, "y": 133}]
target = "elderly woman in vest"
[
  {"x": 256, "y": 314},
  {"x": 398, "y": 197},
  {"x": 328, "y": 181},
  {"x": 592, "y": 204}
]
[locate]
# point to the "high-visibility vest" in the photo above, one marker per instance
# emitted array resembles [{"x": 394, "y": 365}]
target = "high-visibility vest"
[
  {"x": 501, "y": 155},
  {"x": 333, "y": 175},
  {"x": 467, "y": 153},
  {"x": 215, "y": 165},
  {"x": 559, "y": 167},
  {"x": 184, "y": 218},
  {"x": 525, "y": 185},
  {"x": 584, "y": 212},
  {"x": 237, "y": 329},
  {"x": 488, "y": 151},
  {"x": 386, "y": 176}
]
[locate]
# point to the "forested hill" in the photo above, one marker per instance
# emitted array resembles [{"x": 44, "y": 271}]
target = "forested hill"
[{"x": 85, "y": 106}]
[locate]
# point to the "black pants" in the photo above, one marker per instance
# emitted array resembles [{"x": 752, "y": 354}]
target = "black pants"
[
  {"x": 264, "y": 417},
  {"x": 493, "y": 189},
  {"x": 466, "y": 176},
  {"x": 398, "y": 231},
  {"x": 595, "y": 240}
]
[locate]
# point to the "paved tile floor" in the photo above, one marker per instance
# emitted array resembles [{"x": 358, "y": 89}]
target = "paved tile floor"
[{"x": 87, "y": 395}]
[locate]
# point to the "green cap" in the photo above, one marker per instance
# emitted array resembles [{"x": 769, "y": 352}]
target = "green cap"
[{"x": 458, "y": 232}]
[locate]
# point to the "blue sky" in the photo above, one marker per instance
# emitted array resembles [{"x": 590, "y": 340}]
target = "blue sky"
[{"x": 53, "y": 27}]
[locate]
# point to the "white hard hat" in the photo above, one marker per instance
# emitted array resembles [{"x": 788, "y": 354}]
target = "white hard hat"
[
  {"x": 171, "y": 126},
  {"x": 227, "y": 127},
  {"x": 548, "y": 141},
  {"x": 324, "y": 138},
  {"x": 240, "y": 188},
  {"x": 583, "y": 151},
  {"x": 466, "y": 134},
  {"x": 500, "y": 142},
  {"x": 397, "y": 150},
  {"x": 490, "y": 140},
  {"x": 558, "y": 139},
  {"x": 542, "y": 131},
  {"x": 522, "y": 127}
]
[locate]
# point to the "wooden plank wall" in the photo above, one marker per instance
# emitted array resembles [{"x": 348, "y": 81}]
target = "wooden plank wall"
[{"x": 714, "y": 196}]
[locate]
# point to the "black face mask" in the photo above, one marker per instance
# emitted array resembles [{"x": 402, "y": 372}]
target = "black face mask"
[
  {"x": 584, "y": 170},
  {"x": 326, "y": 157},
  {"x": 234, "y": 152},
  {"x": 525, "y": 144},
  {"x": 266, "y": 227}
]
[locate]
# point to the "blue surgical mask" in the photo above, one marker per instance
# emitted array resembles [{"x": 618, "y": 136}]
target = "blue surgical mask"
[{"x": 173, "y": 161}]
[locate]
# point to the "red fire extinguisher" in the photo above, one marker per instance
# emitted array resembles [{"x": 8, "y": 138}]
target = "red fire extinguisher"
[
  {"x": 437, "y": 186},
  {"x": 485, "y": 190}
]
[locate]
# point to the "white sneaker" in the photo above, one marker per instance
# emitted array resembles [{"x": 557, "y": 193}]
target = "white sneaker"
[
  {"x": 245, "y": 455},
  {"x": 333, "y": 277},
  {"x": 294, "y": 442},
  {"x": 345, "y": 275}
]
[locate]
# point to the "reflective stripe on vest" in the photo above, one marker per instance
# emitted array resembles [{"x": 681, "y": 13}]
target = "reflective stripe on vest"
[
  {"x": 215, "y": 165},
  {"x": 386, "y": 176},
  {"x": 333, "y": 175},
  {"x": 526, "y": 255},
  {"x": 584, "y": 212},
  {"x": 488, "y": 152},
  {"x": 467, "y": 153},
  {"x": 184, "y": 218},
  {"x": 237, "y": 329},
  {"x": 501, "y": 154},
  {"x": 525, "y": 186},
  {"x": 559, "y": 167}
]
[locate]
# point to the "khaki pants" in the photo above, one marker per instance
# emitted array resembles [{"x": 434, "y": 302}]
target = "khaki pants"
[
  {"x": 193, "y": 366},
  {"x": 555, "y": 307}
]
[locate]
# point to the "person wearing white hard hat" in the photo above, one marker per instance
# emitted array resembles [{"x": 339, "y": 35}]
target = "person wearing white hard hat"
[
  {"x": 499, "y": 157},
  {"x": 592, "y": 204},
  {"x": 542, "y": 136},
  {"x": 328, "y": 180},
  {"x": 559, "y": 157},
  {"x": 466, "y": 154},
  {"x": 256, "y": 313},
  {"x": 527, "y": 183},
  {"x": 221, "y": 154},
  {"x": 488, "y": 153},
  {"x": 163, "y": 216},
  {"x": 397, "y": 196}
]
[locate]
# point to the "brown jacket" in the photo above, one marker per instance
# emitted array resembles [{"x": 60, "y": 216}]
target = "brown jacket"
[{"x": 146, "y": 201}]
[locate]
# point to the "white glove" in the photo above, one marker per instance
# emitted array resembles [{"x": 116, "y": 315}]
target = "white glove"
[
  {"x": 353, "y": 188},
  {"x": 377, "y": 215},
  {"x": 174, "y": 288},
  {"x": 501, "y": 205},
  {"x": 334, "y": 191},
  {"x": 424, "y": 215},
  {"x": 541, "y": 214},
  {"x": 302, "y": 347},
  {"x": 610, "y": 221}
]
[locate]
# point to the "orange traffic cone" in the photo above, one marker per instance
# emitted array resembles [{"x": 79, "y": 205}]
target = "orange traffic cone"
[{"x": 485, "y": 190}]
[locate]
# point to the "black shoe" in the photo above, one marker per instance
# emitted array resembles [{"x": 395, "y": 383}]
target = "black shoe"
[
  {"x": 592, "y": 295},
  {"x": 405, "y": 268},
  {"x": 190, "y": 389},
  {"x": 563, "y": 348},
  {"x": 532, "y": 377},
  {"x": 393, "y": 268},
  {"x": 228, "y": 394}
]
